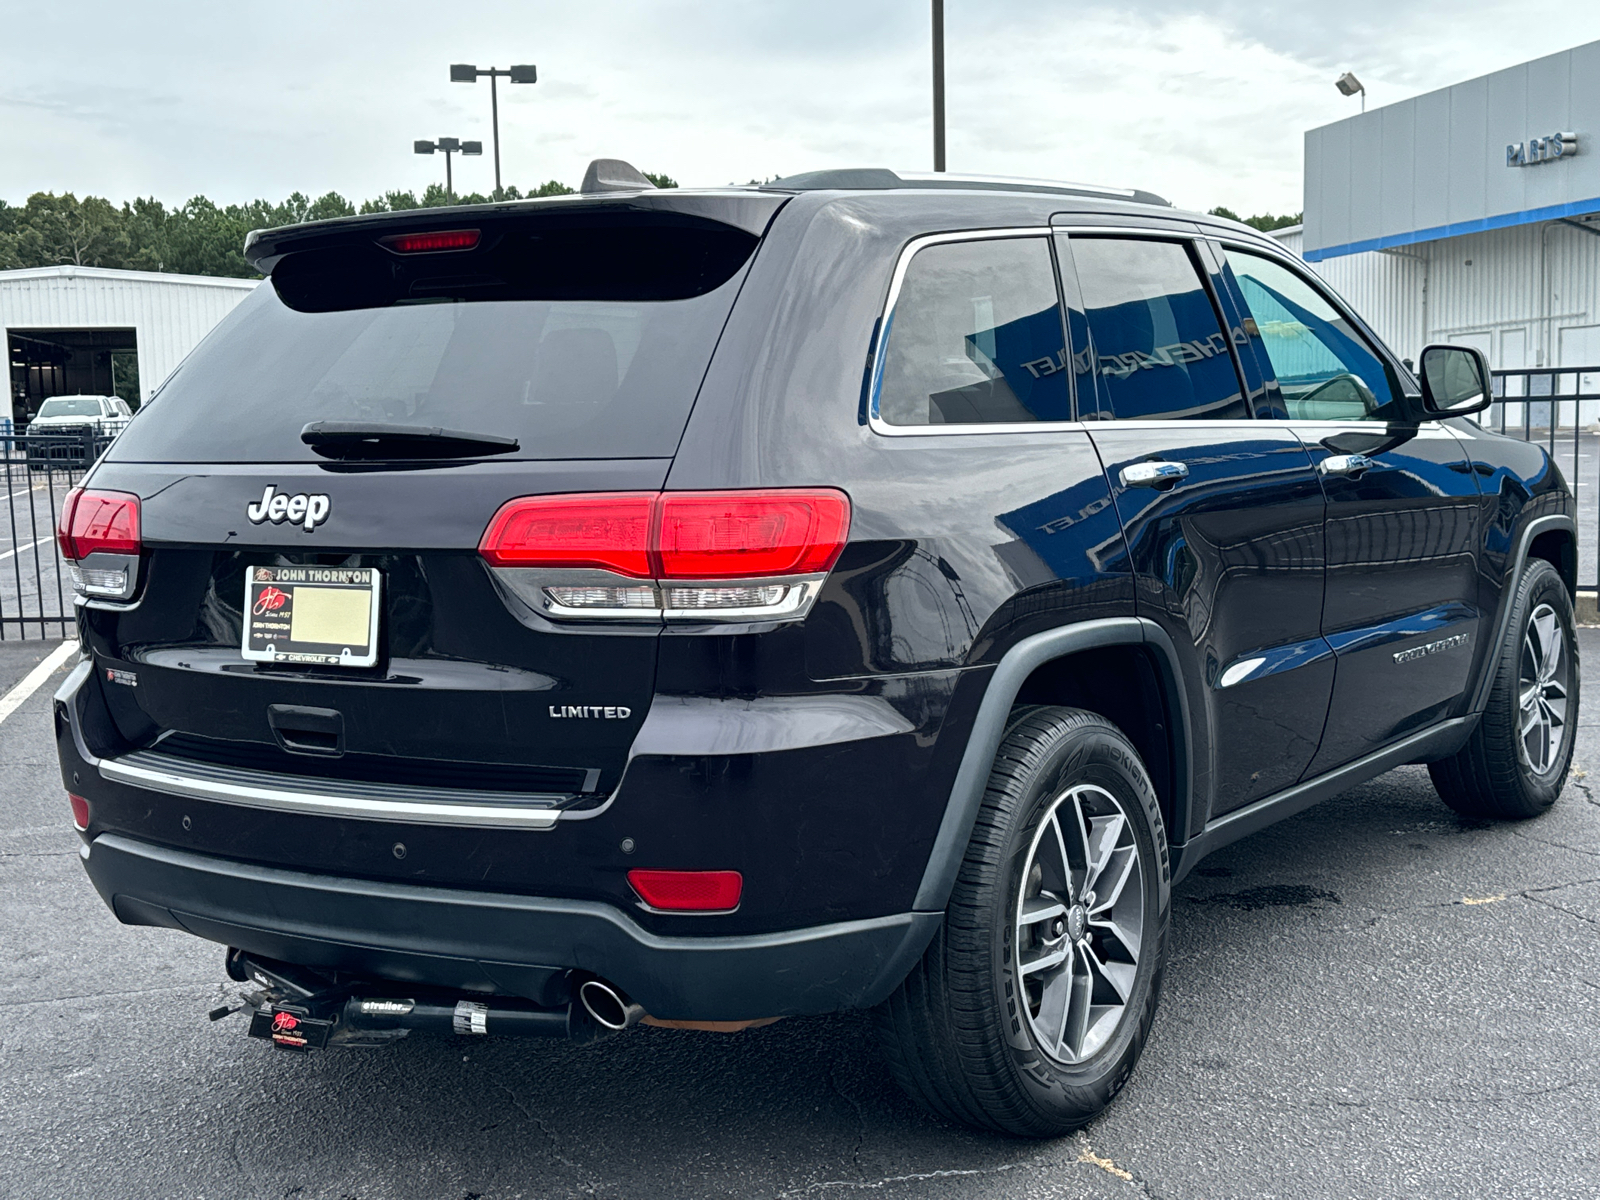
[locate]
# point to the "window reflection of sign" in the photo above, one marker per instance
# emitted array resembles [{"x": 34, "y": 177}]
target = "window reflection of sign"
[
  {"x": 1028, "y": 353},
  {"x": 1120, "y": 366}
]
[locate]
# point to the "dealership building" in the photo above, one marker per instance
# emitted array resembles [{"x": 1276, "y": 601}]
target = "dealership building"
[
  {"x": 90, "y": 331},
  {"x": 1469, "y": 215}
]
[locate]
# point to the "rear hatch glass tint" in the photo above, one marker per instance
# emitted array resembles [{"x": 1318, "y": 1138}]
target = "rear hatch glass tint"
[{"x": 580, "y": 337}]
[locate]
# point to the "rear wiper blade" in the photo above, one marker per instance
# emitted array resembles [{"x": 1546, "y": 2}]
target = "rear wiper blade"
[{"x": 378, "y": 439}]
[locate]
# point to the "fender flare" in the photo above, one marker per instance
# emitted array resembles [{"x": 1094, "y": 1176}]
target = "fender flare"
[
  {"x": 983, "y": 742},
  {"x": 1480, "y": 693}
]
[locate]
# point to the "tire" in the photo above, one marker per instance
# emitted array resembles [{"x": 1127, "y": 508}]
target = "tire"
[
  {"x": 960, "y": 1034},
  {"x": 1515, "y": 763}
]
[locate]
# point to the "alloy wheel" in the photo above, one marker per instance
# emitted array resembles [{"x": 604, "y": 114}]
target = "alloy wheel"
[
  {"x": 1543, "y": 691},
  {"x": 1080, "y": 916}
]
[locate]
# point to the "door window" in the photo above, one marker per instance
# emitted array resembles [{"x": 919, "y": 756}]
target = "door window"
[
  {"x": 975, "y": 337},
  {"x": 1325, "y": 368},
  {"x": 1160, "y": 352}
]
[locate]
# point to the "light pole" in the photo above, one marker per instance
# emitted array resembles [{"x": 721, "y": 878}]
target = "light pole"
[
  {"x": 467, "y": 73},
  {"x": 1349, "y": 85},
  {"x": 938, "y": 85},
  {"x": 448, "y": 146}
]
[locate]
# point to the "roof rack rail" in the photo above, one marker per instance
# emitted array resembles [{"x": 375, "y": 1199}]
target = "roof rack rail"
[{"x": 881, "y": 178}]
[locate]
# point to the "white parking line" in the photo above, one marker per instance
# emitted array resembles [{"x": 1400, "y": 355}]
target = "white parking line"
[
  {"x": 49, "y": 537},
  {"x": 13, "y": 699}
]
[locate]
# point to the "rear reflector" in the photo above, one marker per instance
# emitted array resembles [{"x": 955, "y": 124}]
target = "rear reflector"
[
  {"x": 675, "y": 535},
  {"x": 688, "y": 891},
  {"x": 98, "y": 522},
  {"x": 431, "y": 243},
  {"x": 80, "y": 812}
]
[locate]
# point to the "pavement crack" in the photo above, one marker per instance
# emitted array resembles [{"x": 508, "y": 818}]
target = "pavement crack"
[
  {"x": 537, "y": 1121},
  {"x": 861, "y": 1119},
  {"x": 870, "y": 1185},
  {"x": 176, "y": 987},
  {"x": 1087, "y": 1155},
  {"x": 1548, "y": 842}
]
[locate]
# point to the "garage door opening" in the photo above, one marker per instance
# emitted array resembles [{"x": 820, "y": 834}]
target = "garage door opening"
[{"x": 71, "y": 362}]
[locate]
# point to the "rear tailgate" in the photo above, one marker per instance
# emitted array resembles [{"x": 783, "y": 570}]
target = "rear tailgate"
[{"x": 571, "y": 344}]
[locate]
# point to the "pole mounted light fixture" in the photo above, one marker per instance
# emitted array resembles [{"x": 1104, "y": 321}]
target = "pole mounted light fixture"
[
  {"x": 447, "y": 146},
  {"x": 467, "y": 73},
  {"x": 1349, "y": 85}
]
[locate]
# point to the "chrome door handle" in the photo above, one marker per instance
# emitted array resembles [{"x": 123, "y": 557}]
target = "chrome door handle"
[
  {"x": 1153, "y": 474},
  {"x": 1346, "y": 464}
]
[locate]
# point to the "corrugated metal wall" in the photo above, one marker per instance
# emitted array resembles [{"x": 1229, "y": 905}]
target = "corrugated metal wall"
[
  {"x": 169, "y": 313},
  {"x": 1528, "y": 296}
]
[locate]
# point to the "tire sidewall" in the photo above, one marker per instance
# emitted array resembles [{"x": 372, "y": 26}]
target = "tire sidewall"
[
  {"x": 1541, "y": 584},
  {"x": 1095, "y": 754}
]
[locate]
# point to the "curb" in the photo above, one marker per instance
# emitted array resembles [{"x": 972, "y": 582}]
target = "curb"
[{"x": 1586, "y": 610}]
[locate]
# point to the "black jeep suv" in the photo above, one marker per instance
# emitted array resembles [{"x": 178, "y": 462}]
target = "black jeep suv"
[{"x": 858, "y": 591}]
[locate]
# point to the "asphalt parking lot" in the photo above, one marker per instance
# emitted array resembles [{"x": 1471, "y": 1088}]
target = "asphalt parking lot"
[{"x": 1375, "y": 998}]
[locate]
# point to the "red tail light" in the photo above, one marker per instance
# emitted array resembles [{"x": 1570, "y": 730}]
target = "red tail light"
[
  {"x": 94, "y": 521},
  {"x": 431, "y": 243},
  {"x": 747, "y": 535},
  {"x": 607, "y": 530},
  {"x": 80, "y": 812},
  {"x": 675, "y": 535},
  {"x": 688, "y": 891}
]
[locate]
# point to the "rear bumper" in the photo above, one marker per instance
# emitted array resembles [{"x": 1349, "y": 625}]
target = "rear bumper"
[{"x": 507, "y": 943}]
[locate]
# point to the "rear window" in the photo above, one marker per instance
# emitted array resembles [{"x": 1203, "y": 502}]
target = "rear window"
[{"x": 579, "y": 341}]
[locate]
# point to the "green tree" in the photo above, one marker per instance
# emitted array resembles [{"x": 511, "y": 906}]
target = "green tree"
[
  {"x": 1266, "y": 222},
  {"x": 199, "y": 237},
  {"x": 661, "y": 181},
  {"x": 59, "y": 230}
]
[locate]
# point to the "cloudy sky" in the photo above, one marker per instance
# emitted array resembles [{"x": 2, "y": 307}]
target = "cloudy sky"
[{"x": 1204, "y": 101}]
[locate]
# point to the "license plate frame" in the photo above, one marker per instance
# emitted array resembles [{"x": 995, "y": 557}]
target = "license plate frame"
[{"x": 325, "y": 599}]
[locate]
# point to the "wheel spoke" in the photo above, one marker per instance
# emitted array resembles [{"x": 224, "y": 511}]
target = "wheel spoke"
[
  {"x": 1120, "y": 931},
  {"x": 1119, "y": 975},
  {"x": 1054, "y": 1001},
  {"x": 1041, "y": 908},
  {"x": 1057, "y": 838},
  {"x": 1115, "y": 879},
  {"x": 1104, "y": 833},
  {"x": 1046, "y": 961},
  {"x": 1075, "y": 1021}
]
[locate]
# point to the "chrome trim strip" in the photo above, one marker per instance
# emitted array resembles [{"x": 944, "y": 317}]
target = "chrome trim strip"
[
  {"x": 284, "y": 799},
  {"x": 1159, "y": 232}
]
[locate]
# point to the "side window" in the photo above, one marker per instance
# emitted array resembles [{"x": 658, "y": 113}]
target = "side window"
[
  {"x": 975, "y": 337},
  {"x": 1159, "y": 350},
  {"x": 1325, "y": 369}
]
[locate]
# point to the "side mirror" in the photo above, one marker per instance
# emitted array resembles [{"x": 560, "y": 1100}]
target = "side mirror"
[{"x": 1455, "y": 381}]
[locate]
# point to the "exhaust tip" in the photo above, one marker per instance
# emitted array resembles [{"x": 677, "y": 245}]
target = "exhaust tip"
[{"x": 607, "y": 1005}]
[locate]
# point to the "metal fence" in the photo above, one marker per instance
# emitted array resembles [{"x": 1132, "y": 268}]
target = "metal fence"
[
  {"x": 40, "y": 468},
  {"x": 1559, "y": 408}
]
